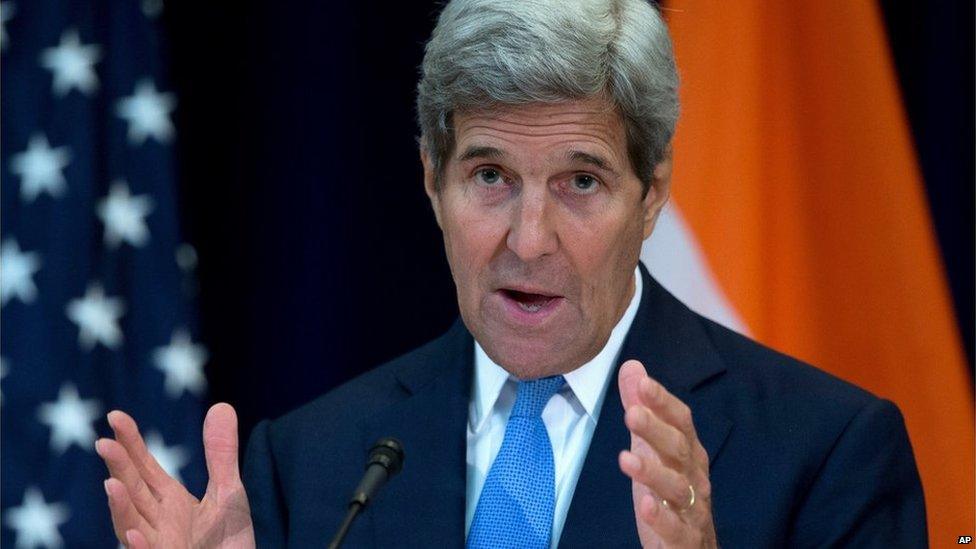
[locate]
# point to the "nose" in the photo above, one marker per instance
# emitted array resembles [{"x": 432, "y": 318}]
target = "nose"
[{"x": 531, "y": 234}]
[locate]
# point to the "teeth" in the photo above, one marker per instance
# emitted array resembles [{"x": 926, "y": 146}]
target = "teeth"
[{"x": 529, "y": 308}]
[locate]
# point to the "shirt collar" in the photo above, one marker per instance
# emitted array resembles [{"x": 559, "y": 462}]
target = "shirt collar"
[{"x": 588, "y": 382}]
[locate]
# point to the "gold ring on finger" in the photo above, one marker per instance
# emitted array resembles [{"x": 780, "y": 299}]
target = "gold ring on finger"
[{"x": 686, "y": 508}]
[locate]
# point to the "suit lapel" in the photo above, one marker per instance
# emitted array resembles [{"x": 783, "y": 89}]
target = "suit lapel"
[
  {"x": 672, "y": 344},
  {"x": 671, "y": 341},
  {"x": 424, "y": 505}
]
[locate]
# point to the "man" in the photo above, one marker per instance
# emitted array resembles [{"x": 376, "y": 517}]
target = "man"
[{"x": 576, "y": 402}]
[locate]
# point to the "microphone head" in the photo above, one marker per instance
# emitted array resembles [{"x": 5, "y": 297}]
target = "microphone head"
[{"x": 388, "y": 453}]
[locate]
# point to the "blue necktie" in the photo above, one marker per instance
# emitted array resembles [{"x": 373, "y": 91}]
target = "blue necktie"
[{"x": 516, "y": 503}]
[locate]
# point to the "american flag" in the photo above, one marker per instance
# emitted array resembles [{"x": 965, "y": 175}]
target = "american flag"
[{"x": 95, "y": 279}]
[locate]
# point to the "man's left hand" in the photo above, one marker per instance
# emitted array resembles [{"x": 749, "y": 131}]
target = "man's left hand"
[{"x": 667, "y": 463}]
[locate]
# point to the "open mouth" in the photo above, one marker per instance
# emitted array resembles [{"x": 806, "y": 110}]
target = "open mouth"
[{"x": 529, "y": 302}]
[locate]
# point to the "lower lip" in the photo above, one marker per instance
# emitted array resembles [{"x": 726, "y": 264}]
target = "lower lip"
[{"x": 524, "y": 317}]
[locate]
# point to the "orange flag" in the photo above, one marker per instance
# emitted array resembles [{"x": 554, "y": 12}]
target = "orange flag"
[{"x": 796, "y": 177}]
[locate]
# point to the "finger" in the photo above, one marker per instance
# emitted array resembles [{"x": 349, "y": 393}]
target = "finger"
[
  {"x": 666, "y": 523},
  {"x": 136, "y": 540},
  {"x": 120, "y": 466},
  {"x": 125, "y": 516},
  {"x": 220, "y": 445},
  {"x": 671, "y": 445},
  {"x": 667, "y": 406},
  {"x": 127, "y": 433},
  {"x": 628, "y": 379},
  {"x": 663, "y": 481}
]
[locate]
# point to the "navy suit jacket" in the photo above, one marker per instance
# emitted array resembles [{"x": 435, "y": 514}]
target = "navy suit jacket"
[{"x": 798, "y": 458}]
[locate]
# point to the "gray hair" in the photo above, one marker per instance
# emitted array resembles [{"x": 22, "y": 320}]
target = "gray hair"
[{"x": 486, "y": 53}]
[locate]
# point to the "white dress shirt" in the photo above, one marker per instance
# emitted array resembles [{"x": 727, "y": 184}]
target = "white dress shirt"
[{"x": 570, "y": 417}]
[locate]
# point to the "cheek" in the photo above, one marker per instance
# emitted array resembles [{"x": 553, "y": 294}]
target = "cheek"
[
  {"x": 471, "y": 237},
  {"x": 604, "y": 256},
  {"x": 596, "y": 249}
]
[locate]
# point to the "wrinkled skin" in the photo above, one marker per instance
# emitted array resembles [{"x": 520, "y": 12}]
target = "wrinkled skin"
[{"x": 151, "y": 509}]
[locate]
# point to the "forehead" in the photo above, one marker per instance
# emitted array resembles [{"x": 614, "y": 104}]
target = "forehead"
[{"x": 591, "y": 124}]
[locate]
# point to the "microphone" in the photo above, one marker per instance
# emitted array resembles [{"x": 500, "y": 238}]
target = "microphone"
[{"x": 385, "y": 460}]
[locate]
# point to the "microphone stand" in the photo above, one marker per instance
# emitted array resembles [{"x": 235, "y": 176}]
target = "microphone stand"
[{"x": 385, "y": 460}]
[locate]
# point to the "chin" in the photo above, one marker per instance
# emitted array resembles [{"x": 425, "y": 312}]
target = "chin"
[{"x": 530, "y": 358}]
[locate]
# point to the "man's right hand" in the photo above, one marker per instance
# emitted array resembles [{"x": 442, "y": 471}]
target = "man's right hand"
[{"x": 151, "y": 509}]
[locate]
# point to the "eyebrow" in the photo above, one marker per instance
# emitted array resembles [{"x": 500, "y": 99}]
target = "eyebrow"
[
  {"x": 591, "y": 159},
  {"x": 480, "y": 151},
  {"x": 484, "y": 151}
]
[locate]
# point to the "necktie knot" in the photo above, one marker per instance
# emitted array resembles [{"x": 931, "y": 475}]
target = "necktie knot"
[{"x": 532, "y": 396}]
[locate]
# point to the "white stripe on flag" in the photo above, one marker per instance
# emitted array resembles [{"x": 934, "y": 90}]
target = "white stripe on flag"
[{"x": 674, "y": 258}]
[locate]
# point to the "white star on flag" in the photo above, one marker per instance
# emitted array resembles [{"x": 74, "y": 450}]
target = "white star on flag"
[
  {"x": 70, "y": 419},
  {"x": 73, "y": 64},
  {"x": 7, "y": 11},
  {"x": 97, "y": 318},
  {"x": 36, "y": 522},
  {"x": 39, "y": 168},
  {"x": 182, "y": 363},
  {"x": 170, "y": 458},
  {"x": 124, "y": 216},
  {"x": 16, "y": 272},
  {"x": 147, "y": 112}
]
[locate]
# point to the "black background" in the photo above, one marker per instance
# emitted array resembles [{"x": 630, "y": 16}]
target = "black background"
[{"x": 302, "y": 188}]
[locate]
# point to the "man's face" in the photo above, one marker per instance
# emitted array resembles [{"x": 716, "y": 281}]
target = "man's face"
[{"x": 543, "y": 221}]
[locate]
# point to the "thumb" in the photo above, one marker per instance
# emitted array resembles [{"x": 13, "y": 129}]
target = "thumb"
[
  {"x": 629, "y": 378},
  {"x": 220, "y": 445}
]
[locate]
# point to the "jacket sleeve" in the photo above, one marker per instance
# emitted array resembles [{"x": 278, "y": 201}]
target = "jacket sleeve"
[
  {"x": 264, "y": 489},
  {"x": 868, "y": 492}
]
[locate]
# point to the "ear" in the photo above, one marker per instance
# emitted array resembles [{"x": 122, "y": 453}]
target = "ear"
[
  {"x": 659, "y": 192},
  {"x": 430, "y": 184}
]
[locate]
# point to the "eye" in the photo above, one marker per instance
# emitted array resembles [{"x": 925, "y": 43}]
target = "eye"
[
  {"x": 584, "y": 184},
  {"x": 489, "y": 176}
]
